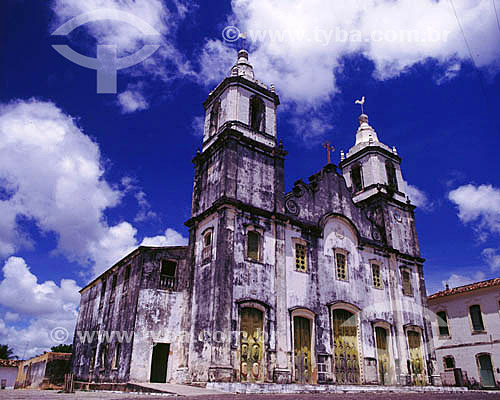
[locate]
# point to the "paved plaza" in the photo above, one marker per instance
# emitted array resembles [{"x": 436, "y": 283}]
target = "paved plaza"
[{"x": 49, "y": 395}]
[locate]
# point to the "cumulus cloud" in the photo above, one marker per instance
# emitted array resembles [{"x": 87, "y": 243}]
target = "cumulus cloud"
[
  {"x": 479, "y": 205},
  {"x": 53, "y": 175},
  {"x": 44, "y": 305},
  {"x": 418, "y": 197},
  {"x": 131, "y": 101},
  {"x": 169, "y": 238},
  {"x": 492, "y": 257},
  {"x": 300, "y": 45},
  {"x": 165, "y": 64},
  {"x": 456, "y": 280}
]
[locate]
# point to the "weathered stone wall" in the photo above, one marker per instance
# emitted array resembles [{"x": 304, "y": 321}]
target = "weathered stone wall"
[{"x": 127, "y": 314}]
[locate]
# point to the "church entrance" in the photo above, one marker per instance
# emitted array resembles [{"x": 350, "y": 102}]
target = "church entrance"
[
  {"x": 383, "y": 356},
  {"x": 252, "y": 344},
  {"x": 416, "y": 360},
  {"x": 345, "y": 334},
  {"x": 159, "y": 362},
  {"x": 486, "y": 370},
  {"x": 302, "y": 349}
]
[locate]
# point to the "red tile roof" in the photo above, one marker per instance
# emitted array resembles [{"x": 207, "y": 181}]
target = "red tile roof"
[
  {"x": 9, "y": 363},
  {"x": 466, "y": 288}
]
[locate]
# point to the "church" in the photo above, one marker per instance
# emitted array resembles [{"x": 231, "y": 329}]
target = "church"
[{"x": 323, "y": 284}]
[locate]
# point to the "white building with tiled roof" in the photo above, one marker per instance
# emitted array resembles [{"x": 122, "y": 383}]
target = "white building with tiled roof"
[{"x": 466, "y": 331}]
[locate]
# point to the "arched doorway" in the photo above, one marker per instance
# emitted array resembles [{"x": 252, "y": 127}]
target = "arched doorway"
[
  {"x": 251, "y": 345},
  {"x": 346, "y": 354},
  {"x": 302, "y": 349},
  {"x": 383, "y": 355},
  {"x": 416, "y": 362}
]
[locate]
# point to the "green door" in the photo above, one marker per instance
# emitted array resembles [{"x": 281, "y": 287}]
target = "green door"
[{"x": 486, "y": 371}]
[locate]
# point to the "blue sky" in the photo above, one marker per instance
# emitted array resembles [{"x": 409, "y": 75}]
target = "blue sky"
[{"x": 86, "y": 177}]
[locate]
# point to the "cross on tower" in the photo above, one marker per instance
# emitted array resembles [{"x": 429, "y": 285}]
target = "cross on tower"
[
  {"x": 243, "y": 38},
  {"x": 328, "y": 148}
]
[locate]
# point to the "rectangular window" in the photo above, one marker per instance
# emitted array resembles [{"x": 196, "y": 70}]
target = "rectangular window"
[
  {"x": 92, "y": 358},
  {"x": 377, "y": 278},
  {"x": 167, "y": 275},
  {"x": 407, "y": 287},
  {"x": 116, "y": 356},
  {"x": 340, "y": 258},
  {"x": 443, "y": 323},
  {"x": 103, "y": 356},
  {"x": 206, "y": 254},
  {"x": 103, "y": 293},
  {"x": 113, "y": 288},
  {"x": 126, "y": 278},
  {"x": 476, "y": 318},
  {"x": 300, "y": 257},
  {"x": 253, "y": 242}
]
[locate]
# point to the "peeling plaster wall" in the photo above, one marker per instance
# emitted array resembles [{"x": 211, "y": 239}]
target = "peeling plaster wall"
[{"x": 131, "y": 311}]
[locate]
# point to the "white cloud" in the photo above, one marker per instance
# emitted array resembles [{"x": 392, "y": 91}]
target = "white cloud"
[
  {"x": 170, "y": 238},
  {"x": 418, "y": 197},
  {"x": 165, "y": 64},
  {"x": 10, "y": 316},
  {"x": 45, "y": 305},
  {"x": 131, "y": 101},
  {"x": 307, "y": 51},
  {"x": 478, "y": 204},
  {"x": 456, "y": 280},
  {"x": 492, "y": 257},
  {"x": 198, "y": 126},
  {"x": 69, "y": 195}
]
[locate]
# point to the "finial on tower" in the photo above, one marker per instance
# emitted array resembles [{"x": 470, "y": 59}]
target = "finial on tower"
[{"x": 361, "y": 102}]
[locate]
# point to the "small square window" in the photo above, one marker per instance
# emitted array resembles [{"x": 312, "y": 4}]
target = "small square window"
[
  {"x": 377, "y": 278},
  {"x": 300, "y": 257},
  {"x": 449, "y": 362},
  {"x": 341, "y": 266}
]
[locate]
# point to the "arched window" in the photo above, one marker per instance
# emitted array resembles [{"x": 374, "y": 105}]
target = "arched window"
[
  {"x": 391, "y": 175},
  {"x": 448, "y": 362},
  {"x": 214, "y": 118},
  {"x": 253, "y": 245},
  {"x": 257, "y": 114},
  {"x": 356, "y": 178}
]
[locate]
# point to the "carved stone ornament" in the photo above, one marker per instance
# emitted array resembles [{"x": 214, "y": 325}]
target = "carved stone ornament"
[{"x": 292, "y": 207}]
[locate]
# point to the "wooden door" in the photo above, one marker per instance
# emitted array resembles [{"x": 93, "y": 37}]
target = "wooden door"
[
  {"x": 383, "y": 356},
  {"x": 345, "y": 335},
  {"x": 302, "y": 349},
  {"x": 252, "y": 344},
  {"x": 416, "y": 360},
  {"x": 486, "y": 371}
]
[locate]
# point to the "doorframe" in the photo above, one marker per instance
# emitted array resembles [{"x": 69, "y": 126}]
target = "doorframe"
[
  {"x": 387, "y": 326},
  {"x": 262, "y": 307},
  {"x": 311, "y": 316},
  {"x": 356, "y": 312},
  {"x": 167, "y": 370},
  {"x": 485, "y": 353},
  {"x": 419, "y": 330}
]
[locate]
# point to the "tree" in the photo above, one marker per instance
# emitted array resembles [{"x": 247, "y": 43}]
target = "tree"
[
  {"x": 62, "y": 348},
  {"x": 6, "y": 353}
]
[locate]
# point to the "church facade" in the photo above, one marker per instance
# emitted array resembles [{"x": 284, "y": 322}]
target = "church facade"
[{"x": 323, "y": 284}]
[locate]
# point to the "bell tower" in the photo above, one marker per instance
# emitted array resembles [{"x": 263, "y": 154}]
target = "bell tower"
[
  {"x": 237, "y": 157},
  {"x": 235, "y": 226},
  {"x": 372, "y": 170}
]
